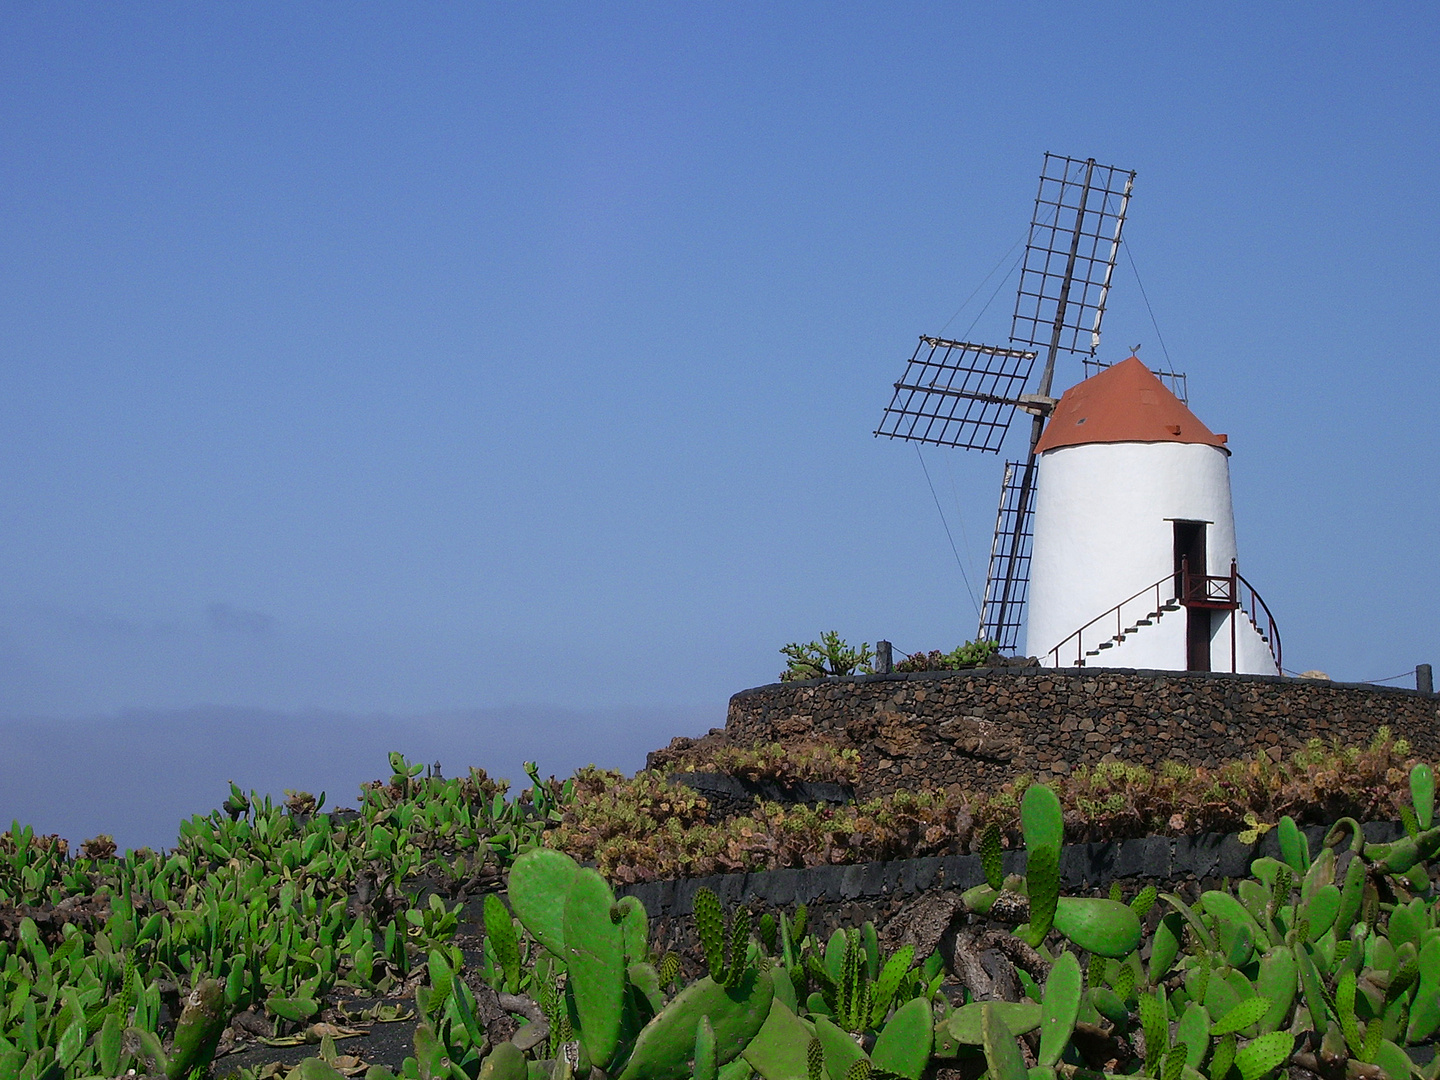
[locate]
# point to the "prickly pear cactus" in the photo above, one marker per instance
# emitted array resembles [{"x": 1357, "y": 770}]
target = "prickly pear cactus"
[
  {"x": 1060, "y": 1008},
  {"x": 1294, "y": 848},
  {"x": 990, "y": 856},
  {"x": 595, "y": 958},
  {"x": 1042, "y": 875},
  {"x": 1041, "y": 818},
  {"x": 1422, "y": 794},
  {"x": 710, "y": 927}
]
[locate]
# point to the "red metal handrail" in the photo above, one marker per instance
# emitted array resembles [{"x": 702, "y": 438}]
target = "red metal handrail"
[
  {"x": 1196, "y": 590},
  {"x": 1078, "y": 635},
  {"x": 1258, "y": 601},
  {"x": 1206, "y": 590}
]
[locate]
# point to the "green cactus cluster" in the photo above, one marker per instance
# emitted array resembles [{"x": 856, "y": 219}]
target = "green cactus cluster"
[
  {"x": 1327, "y": 960},
  {"x": 1330, "y": 963},
  {"x": 111, "y": 962}
]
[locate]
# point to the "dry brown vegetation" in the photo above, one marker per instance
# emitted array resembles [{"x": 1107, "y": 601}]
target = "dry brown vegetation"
[{"x": 647, "y": 827}]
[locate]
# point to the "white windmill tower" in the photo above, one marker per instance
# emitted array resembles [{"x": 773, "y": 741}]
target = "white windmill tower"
[
  {"x": 1131, "y": 486},
  {"x": 1133, "y": 520}
]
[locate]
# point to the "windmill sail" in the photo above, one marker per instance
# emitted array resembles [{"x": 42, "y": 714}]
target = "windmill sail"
[
  {"x": 959, "y": 394},
  {"x": 1064, "y": 285},
  {"x": 1008, "y": 582},
  {"x": 954, "y": 393},
  {"x": 1070, "y": 255}
]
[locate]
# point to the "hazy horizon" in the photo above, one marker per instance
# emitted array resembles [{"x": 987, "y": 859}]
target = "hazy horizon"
[{"x": 136, "y": 775}]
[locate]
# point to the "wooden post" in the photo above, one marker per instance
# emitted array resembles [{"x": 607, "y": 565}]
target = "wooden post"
[
  {"x": 1424, "y": 679},
  {"x": 884, "y": 663}
]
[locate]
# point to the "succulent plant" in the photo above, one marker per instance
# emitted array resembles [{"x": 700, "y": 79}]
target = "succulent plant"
[{"x": 1328, "y": 959}]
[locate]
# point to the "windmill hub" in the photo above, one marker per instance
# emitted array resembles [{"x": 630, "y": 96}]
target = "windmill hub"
[{"x": 1036, "y": 404}]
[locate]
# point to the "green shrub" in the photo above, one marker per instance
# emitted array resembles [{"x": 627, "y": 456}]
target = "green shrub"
[
  {"x": 972, "y": 654},
  {"x": 828, "y": 657}
]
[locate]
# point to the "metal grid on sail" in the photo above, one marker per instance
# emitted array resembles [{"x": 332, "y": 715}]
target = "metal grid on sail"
[
  {"x": 1007, "y": 585},
  {"x": 1070, "y": 254},
  {"x": 954, "y": 393}
]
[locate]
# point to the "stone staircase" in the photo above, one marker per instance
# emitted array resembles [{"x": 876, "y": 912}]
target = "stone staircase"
[{"x": 1150, "y": 619}]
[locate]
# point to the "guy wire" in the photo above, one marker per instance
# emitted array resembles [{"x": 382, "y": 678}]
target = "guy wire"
[
  {"x": 1153, "y": 321},
  {"x": 956, "y": 551}
]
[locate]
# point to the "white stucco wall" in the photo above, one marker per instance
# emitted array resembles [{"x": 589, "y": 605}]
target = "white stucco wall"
[{"x": 1104, "y": 530}]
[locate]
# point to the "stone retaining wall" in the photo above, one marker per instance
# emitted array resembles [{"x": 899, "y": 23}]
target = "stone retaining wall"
[
  {"x": 982, "y": 727},
  {"x": 838, "y": 896}
]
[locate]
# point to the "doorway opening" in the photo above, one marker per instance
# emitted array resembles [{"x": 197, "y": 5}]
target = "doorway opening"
[
  {"x": 1189, "y": 555},
  {"x": 1190, "y": 587}
]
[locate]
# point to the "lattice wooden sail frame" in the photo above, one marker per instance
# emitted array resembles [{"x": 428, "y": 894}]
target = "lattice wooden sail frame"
[
  {"x": 965, "y": 395},
  {"x": 1070, "y": 255},
  {"x": 955, "y": 393},
  {"x": 1007, "y": 584}
]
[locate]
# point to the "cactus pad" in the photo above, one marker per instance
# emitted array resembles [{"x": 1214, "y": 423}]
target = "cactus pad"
[
  {"x": 1060, "y": 1008},
  {"x": 1242, "y": 1015},
  {"x": 705, "y": 1067},
  {"x": 1043, "y": 877},
  {"x": 903, "y": 1046},
  {"x": 841, "y": 1051},
  {"x": 1041, "y": 819},
  {"x": 1422, "y": 794},
  {"x": 1263, "y": 1055},
  {"x": 964, "y": 1024},
  {"x": 539, "y": 882},
  {"x": 1294, "y": 846},
  {"x": 710, "y": 928},
  {"x": 990, "y": 856},
  {"x": 1001, "y": 1052},
  {"x": 665, "y": 1045},
  {"x": 1098, "y": 925}
]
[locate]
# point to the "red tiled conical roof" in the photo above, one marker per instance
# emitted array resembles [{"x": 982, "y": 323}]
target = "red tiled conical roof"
[{"x": 1123, "y": 403}]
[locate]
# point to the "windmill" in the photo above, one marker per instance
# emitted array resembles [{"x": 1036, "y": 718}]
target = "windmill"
[{"x": 965, "y": 395}]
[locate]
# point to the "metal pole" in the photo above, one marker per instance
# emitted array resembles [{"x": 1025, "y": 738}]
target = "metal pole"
[{"x": 1063, "y": 300}]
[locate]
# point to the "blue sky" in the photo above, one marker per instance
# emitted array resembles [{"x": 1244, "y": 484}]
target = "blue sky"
[{"x": 521, "y": 361}]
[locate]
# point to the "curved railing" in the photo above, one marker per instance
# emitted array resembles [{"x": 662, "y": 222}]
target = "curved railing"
[
  {"x": 1258, "y": 601},
  {"x": 1195, "y": 590}
]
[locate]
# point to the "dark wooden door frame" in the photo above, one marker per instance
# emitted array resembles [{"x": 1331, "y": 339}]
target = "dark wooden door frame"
[{"x": 1191, "y": 560}]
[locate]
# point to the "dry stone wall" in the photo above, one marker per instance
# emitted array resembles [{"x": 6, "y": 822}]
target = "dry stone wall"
[
  {"x": 982, "y": 727},
  {"x": 844, "y": 896}
]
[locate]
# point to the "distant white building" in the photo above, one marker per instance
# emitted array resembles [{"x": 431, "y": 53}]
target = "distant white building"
[{"x": 1133, "y": 561}]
